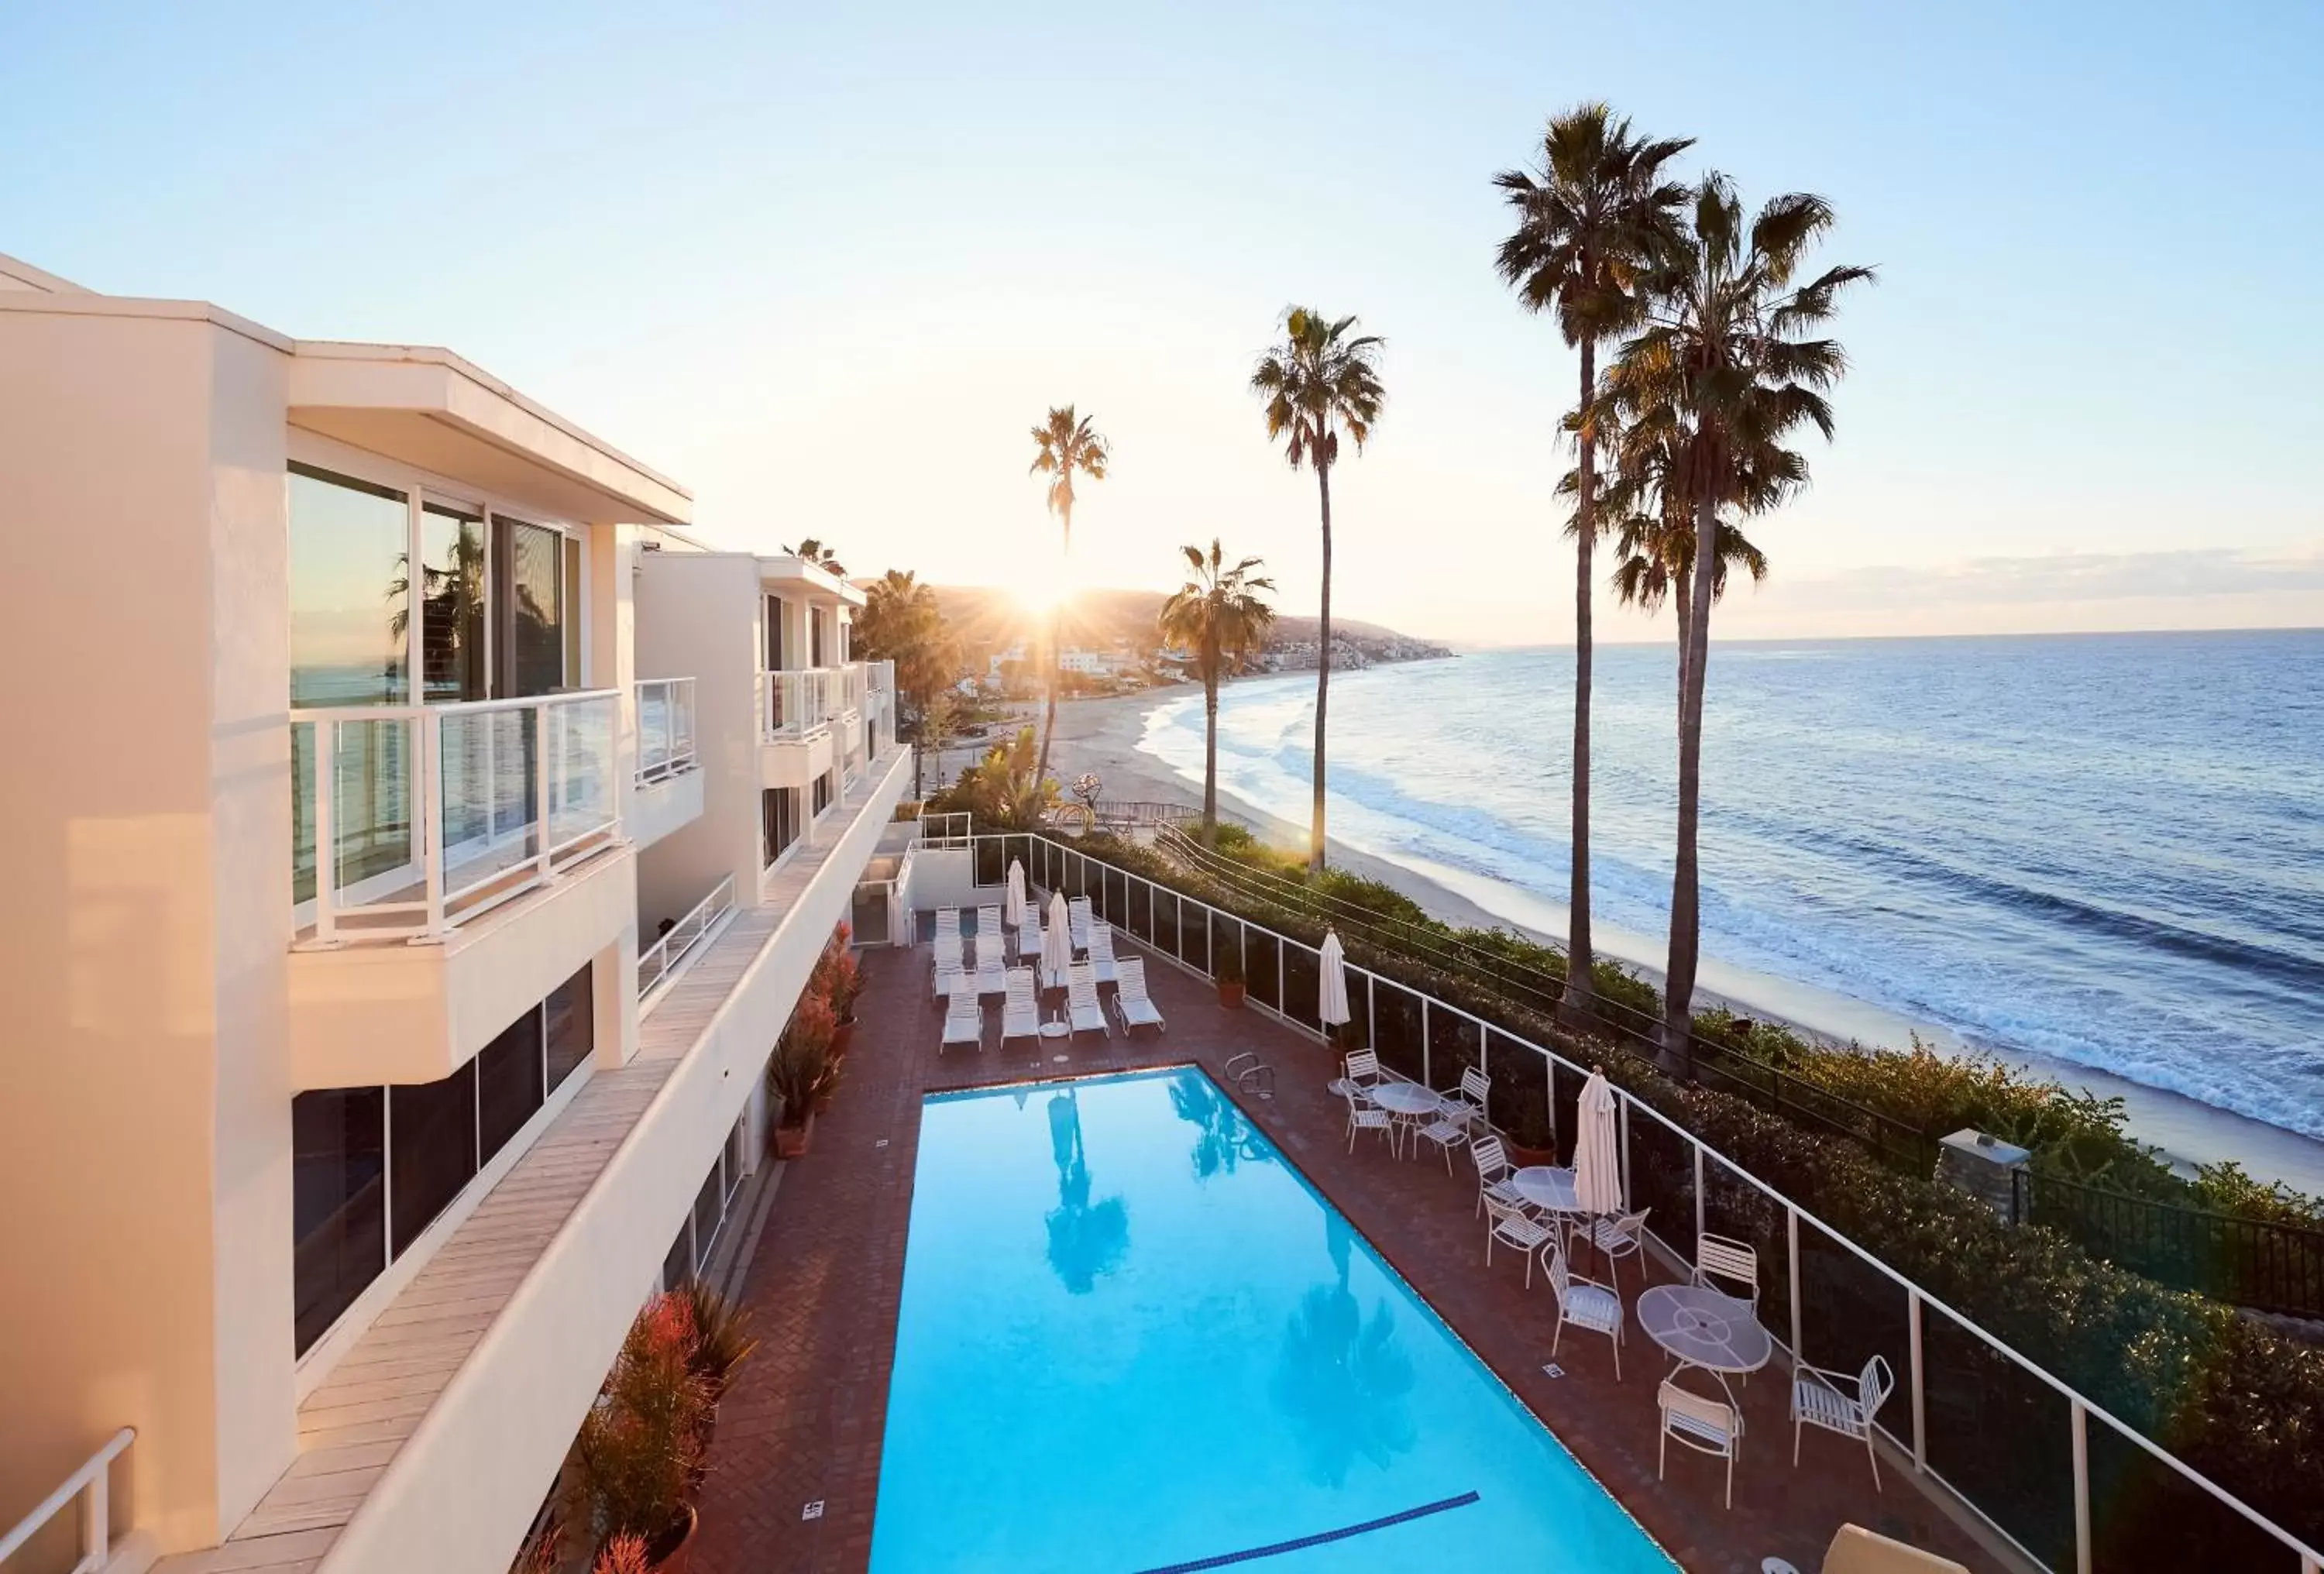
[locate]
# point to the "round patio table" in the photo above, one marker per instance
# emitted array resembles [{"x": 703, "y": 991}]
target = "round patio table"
[
  {"x": 1703, "y": 1327},
  {"x": 1546, "y": 1187},
  {"x": 1409, "y": 1102}
]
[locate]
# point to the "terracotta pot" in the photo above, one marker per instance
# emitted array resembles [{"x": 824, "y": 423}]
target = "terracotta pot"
[
  {"x": 1525, "y": 1157},
  {"x": 1231, "y": 995},
  {"x": 791, "y": 1140},
  {"x": 668, "y": 1550}
]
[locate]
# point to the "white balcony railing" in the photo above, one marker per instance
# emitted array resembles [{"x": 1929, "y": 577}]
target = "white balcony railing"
[
  {"x": 853, "y": 682},
  {"x": 89, "y": 1485},
  {"x": 801, "y": 703},
  {"x": 433, "y": 814},
  {"x": 658, "y": 960},
  {"x": 665, "y": 727}
]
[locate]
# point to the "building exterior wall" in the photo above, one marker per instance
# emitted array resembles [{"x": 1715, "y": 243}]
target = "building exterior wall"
[
  {"x": 697, "y": 614},
  {"x": 144, "y": 819}
]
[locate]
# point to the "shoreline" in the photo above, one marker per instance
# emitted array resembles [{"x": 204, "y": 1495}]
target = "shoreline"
[{"x": 1104, "y": 735}]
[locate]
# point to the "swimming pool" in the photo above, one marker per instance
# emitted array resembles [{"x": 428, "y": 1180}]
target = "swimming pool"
[{"x": 1132, "y": 1339}]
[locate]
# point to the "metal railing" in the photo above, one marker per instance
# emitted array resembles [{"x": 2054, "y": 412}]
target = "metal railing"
[
  {"x": 801, "y": 702},
  {"x": 428, "y": 816},
  {"x": 2259, "y": 1263},
  {"x": 1895, "y": 1142},
  {"x": 951, "y": 830},
  {"x": 1977, "y": 1406},
  {"x": 853, "y": 681},
  {"x": 665, "y": 727},
  {"x": 659, "y": 960},
  {"x": 91, "y": 1485}
]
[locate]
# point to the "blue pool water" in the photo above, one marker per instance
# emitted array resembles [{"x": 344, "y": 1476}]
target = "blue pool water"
[{"x": 1132, "y": 1338}]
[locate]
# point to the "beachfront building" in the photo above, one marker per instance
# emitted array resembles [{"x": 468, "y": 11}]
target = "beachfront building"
[{"x": 368, "y": 733}]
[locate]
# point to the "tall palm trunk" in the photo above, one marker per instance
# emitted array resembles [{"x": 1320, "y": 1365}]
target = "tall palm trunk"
[
  {"x": 1323, "y": 672},
  {"x": 1682, "y": 594},
  {"x": 1056, "y": 661},
  {"x": 1686, "y": 909},
  {"x": 1574, "y": 1005},
  {"x": 1211, "y": 752}
]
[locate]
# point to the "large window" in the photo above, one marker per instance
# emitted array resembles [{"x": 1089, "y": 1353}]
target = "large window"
[
  {"x": 774, "y": 633},
  {"x": 452, "y": 603},
  {"x": 431, "y": 1144},
  {"x": 374, "y": 1167},
  {"x": 529, "y": 607},
  {"x": 823, "y": 791},
  {"x": 713, "y": 1210},
  {"x": 779, "y": 809},
  {"x": 338, "y": 1152}
]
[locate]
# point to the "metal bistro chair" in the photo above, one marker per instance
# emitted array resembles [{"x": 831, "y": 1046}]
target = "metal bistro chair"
[
  {"x": 1359, "y": 1074},
  {"x": 1493, "y": 1173},
  {"x": 1366, "y": 1116},
  {"x": 1818, "y": 1400},
  {"x": 1708, "y": 1426}
]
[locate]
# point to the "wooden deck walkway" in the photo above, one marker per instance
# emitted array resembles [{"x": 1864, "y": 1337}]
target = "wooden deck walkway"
[{"x": 351, "y": 1428}]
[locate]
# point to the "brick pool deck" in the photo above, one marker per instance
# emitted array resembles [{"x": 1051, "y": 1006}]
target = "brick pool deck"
[{"x": 804, "y": 1422}]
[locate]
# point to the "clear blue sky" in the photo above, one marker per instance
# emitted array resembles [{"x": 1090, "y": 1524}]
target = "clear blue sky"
[{"x": 825, "y": 265}]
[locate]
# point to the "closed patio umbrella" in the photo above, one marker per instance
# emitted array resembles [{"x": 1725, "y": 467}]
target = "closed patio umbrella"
[
  {"x": 1597, "y": 1151},
  {"x": 1014, "y": 911},
  {"x": 1056, "y": 942},
  {"x": 1332, "y": 982}
]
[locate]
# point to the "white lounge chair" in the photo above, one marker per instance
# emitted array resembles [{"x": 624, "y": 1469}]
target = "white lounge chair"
[
  {"x": 963, "y": 1023},
  {"x": 1493, "y": 1174},
  {"x": 1723, "y": 1264},
  {"x": 950, "y": 953},
  {"x": 1021, "y": 1007},
  {"x": 1130, "y": 1002},
  {"x": 1360, "y": 1073},
  {"x": 1513, "y": 1226},
  {"x": 1082, "y": 1009},
  {"x": 1367, "y": 1116},
  {"x": 1101, "y": 954},
  {"x": 1029, "y": 934},
  {"x": 988, "y": 921},
  {"x": 991, "y": 966},
  {"x": 1585, "y": 1304},
  {"x": 1078, "y": 914},
  {"x": 1708, "y": 1426},
  {"x": 948, "y": 925},
  {"x": 953, "y": 982},
  {"x": 1818, "y": 1400}
]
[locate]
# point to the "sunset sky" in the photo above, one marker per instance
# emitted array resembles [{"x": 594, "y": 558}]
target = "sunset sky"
[{"x": 825, "y": 265}]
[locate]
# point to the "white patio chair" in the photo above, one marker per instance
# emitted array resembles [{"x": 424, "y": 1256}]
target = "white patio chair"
[
  {"x": 1021, "y": 1007},
  {"x": 952, "y": 983},
  {"x": 1446, "y": 1133},
  {"x": 991, "y": 966},
  {"x": 951, "y": 952},
  {"x": 1513, "y": 1226},
  {"x": 1079, "y": 915},
  {"x": 1493, "y": 1173},
  {"x": 1618, "y": 1237},
  {"x": 1130, "y": 1001},
  {"x": 1708, "y": 1426},
  {"x": 1359, "y": 1074},
  {"x": 1101, "y": 954},
  {"x": 1585, "y": 1303},
  {"x": 1468, "y": 1106},
  {"x": 1818, "y": 1400},
  {"x": 1366, "y": 1116},
  {"x": 1028, "y": 936},
  {"x": 1721, "y": 1263},
  {"x": 947, "y": 923},
  {"x": 1082, "y": 1009},
  {"x": 988, "y": 920},
  {"x": 963, "y": 1023}
]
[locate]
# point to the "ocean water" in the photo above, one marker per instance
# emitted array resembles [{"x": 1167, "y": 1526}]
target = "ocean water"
[
  {"x": 2103, "y": 849},
  {"x": 1133, "y": 1338}
]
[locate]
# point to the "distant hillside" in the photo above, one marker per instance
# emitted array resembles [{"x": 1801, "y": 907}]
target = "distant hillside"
[{"x": 988, "y": 619}]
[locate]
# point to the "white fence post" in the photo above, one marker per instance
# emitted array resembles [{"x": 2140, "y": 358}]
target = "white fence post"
[
  {"x": 1792, "y": 1250},
  {"x": 429, "y": 806},
  {"x": 1919, "y": 1385},
  {"x": 1697, "y": 1196},
  {"x": 1426, "y": 1080},
  {"x": 2081, "y": 1489},
  {"x": 326, "y": 852}
]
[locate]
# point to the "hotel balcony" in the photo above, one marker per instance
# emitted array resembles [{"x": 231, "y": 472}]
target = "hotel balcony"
[
  {"x": 808, "y": 719},
  {"x": 477, "y": 859}
]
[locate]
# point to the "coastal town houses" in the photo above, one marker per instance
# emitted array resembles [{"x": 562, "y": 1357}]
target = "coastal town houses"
[{"x": 418, "y": 840}]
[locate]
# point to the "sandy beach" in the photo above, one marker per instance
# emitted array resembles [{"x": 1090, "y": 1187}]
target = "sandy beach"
[{"x": 1104, "y": 736}]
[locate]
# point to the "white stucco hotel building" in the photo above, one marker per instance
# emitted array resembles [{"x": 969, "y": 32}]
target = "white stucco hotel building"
[{"x": 392, "y": 955}]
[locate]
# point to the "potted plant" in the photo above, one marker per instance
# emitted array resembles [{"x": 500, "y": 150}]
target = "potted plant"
[
  {"x": 638, "y": 1456},
  {"x": 802, "y": 1073},
  {"x": 1530, "y": 1138},
  {"x": 1228, "y": 972},
  {"x": 838, "y": 978}
]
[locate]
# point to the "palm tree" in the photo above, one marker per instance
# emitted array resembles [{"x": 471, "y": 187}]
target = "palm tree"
[
  {"x": 1654, "y": 541},
  {"x": 816, "y": 555},
  {"x": 1062, "y": 445},
  {"x": 1722, "y": 374},
  {"x": 902, "y": 622},
  {"x": 1319, "y": 381},
  {"x": 1589, "y": 218},
  {"x": 1218, "y": 616}
]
